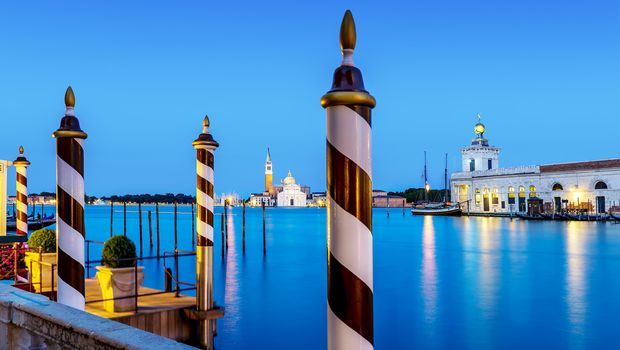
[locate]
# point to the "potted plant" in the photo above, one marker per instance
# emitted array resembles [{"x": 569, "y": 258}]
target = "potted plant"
[
  {"x": 42, "y": 248},
  {"x": 117, "y": 276}
]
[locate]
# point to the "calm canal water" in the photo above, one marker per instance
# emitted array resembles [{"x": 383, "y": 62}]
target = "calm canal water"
[{"x": 440, "y": 282}]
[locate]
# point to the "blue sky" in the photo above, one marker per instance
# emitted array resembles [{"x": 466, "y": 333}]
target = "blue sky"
[{"x": 544, "y": 75}]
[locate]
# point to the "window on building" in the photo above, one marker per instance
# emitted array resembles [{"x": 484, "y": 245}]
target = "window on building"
[
  {"x": 522, "y": 191},
  {"x": 477, "y": 196},
  {"x": 532, "y": 191},
  {"x": 490, "y": 161},
  {"x": 472, "y": 164},
  {"x": 557, "y": 187},
  {"x": 600, "y": 185}
]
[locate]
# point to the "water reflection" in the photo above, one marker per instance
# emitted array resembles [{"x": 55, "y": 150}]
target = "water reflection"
[
  {"x": 575, "y": 277},
  {"x": 429, "y": 270},
  {"x": 487, "y": 282},
  {"x": 231, "y": 286}
]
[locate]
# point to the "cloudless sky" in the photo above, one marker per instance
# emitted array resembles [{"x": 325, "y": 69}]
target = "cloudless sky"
[{"x": 544, "y": 75}]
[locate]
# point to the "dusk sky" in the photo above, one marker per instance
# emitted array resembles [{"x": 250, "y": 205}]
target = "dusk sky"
[{"x": 544, "y": 75}]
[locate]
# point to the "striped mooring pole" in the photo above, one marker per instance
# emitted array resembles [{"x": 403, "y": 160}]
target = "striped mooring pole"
[
  {"x": 204, "y": 145},
  {"x": 21, "y": 187},
  {"x": 70, "y": 231},
  {"x": 349, "y": 211}
]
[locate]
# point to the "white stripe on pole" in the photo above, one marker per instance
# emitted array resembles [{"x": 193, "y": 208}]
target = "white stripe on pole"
[
  {"x": 342, "y": 336},
  {"x": 204, "y": 171},
  {"x": 349, "y": 133},
  {"x": 69, "y": 296},
  {"x": 350, "y": 241},
  {"x": 70, "y": 241},
  {"x": 70, "y": 181}
]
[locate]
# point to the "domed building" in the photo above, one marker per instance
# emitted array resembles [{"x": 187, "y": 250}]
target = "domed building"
[
  {"x": 483, "y": 187},
  {"x": 291, "y": 194}
]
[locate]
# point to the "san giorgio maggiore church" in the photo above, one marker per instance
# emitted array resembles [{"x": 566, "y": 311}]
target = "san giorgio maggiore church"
[
  {"x": 288, "y": 194},
  {"x": 482, "y": 186}
]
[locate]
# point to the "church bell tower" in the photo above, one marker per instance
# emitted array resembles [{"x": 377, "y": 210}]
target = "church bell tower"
[{"x": 268, "y": 174}]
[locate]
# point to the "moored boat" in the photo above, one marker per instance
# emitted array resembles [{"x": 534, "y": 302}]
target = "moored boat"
[
  {"x": 33, "y": 224},
  {"x": 451, "y": 210}
]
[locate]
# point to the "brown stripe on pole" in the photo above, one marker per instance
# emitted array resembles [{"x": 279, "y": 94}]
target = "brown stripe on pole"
[
  {"x": 70, "y": 207},
  {"x": 349, "y": 192}
]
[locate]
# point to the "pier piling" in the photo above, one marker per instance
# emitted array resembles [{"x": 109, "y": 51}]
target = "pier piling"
[
  {"x": 349, "y": 212},
  {"x": 243, "y": 225},
  {"x": 140, "y": 225},
  {"x": 150, "y": 231},
  {"x": 264, "y": 231},
  {"x": 226, "y": 222},
  {"x": 111, "y": 218},
  {"x": 21, "y": 189},
  {"x": 70, "y": 207},
  {"x": 205, "y": 145},
  {"x": 157, "y": 226},
  {"x": 176, "y": 236},
  {"x": 124, "y": 218},
  {"x": 222, "y": 232}
]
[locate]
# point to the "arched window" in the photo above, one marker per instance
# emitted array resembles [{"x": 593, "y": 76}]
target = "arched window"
[
  {"x": 511, "y": 189},
  {"x": 532, "y": 191},
  {"x": 600, "y": 185},
  {"x": 472, "y": 164},
  {"x": 557, "y": 187},
  {"x": 522, "y": 191},
  {"x": 477, "y": 196}
]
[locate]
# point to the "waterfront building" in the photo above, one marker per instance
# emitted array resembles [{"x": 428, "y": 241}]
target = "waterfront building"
[
  {"x": 317, "y": 199},
  {"x": 482, "y": 186},
  {"x": 258, "y": 199},
  {"x": 291, "y": 194}
]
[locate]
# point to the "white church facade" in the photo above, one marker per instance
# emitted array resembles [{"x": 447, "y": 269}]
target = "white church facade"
[
  {"x": 483, "y": 187},
  {"x": 291, "y": 194}
]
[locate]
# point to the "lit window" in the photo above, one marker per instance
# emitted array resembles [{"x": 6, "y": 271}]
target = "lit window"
[{"x": 532, "y": 191}]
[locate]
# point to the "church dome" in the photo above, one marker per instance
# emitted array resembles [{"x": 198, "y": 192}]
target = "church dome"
[{"x": 289, "y": 179}]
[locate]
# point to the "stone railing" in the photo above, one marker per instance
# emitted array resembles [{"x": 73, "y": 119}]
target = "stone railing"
[
  {"x": 528, "y": 169},
  {"x": 31, "y": 321}
]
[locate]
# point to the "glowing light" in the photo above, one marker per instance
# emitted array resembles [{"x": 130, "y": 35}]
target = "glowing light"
[{"x": 427, "y": 187}]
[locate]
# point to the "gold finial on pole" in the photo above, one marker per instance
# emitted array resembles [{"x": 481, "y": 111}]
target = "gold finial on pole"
[
  {"x": 69, "y": 97},
  {"x": 21, "y": 150},
  {"x": 347, "y": 32}
]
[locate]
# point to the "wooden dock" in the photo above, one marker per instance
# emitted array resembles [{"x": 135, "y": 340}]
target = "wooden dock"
[{"x": 161, "y": 314}]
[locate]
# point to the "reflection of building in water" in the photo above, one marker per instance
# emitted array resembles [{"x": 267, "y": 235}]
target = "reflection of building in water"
[
  {"x": 483, "y": 187},
  {"x": 291, "y": 194}
]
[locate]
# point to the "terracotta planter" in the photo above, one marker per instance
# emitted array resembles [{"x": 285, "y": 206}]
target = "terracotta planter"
[
  {"x": 118, "y": 283},
  {"x": 41, "y": 275}
]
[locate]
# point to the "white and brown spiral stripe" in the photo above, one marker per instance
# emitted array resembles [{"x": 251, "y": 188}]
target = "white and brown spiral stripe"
[
  {"x": 21, "y": 189},
  {"x": 204, "y": 145},
  {"x": 70, "y": 207},
  {"x": 349, "y": 210}
]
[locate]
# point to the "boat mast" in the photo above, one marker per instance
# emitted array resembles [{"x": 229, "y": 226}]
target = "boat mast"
[
  {"x": 445, "y": 179},
  {"x": 426, "y": 187}
]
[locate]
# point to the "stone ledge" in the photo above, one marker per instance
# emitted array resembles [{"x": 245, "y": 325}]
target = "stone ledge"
[{"x": 66, "y": 327}]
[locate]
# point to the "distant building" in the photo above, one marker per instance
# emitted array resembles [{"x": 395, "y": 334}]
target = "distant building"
[
  {"x": 483, "y": 187},
  {"x": 269, "y": 175},
  {"x": 389, "y": 201},
  {"x": 257, "y": 200},
  {"x": 291, "y": 195},
  {"x": 318, "y": 199}
]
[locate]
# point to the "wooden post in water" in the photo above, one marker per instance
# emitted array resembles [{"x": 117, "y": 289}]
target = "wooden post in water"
[
  {"x": 222, "y": 232},
  {"x": 264, "y": 229},
  {"x": 124, "y": 218},
  {"x": 243, "y": 227},
  {"x": 150, "y": 231},
  {"x": 176, "y": 238},
  {"x": 226, "y": 222},
  {"x": 111, "y": 217},
  {"x": 157, "y": 226},
  {"x": 193, "y": 227},
  {"x": 140, "y": 225},
  {"x": 349, "y": 212}
]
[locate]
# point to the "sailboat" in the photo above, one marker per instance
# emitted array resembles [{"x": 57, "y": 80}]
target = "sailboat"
[{"x": 444, "y": 208}]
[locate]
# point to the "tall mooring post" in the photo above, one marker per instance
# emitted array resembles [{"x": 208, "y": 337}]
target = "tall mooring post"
[
  {"x": 204, "y": 145},
  {"x": 70, "y": 206},
  {"x": 349, "y": 210},
  {"x": 21, "y": 187}
]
